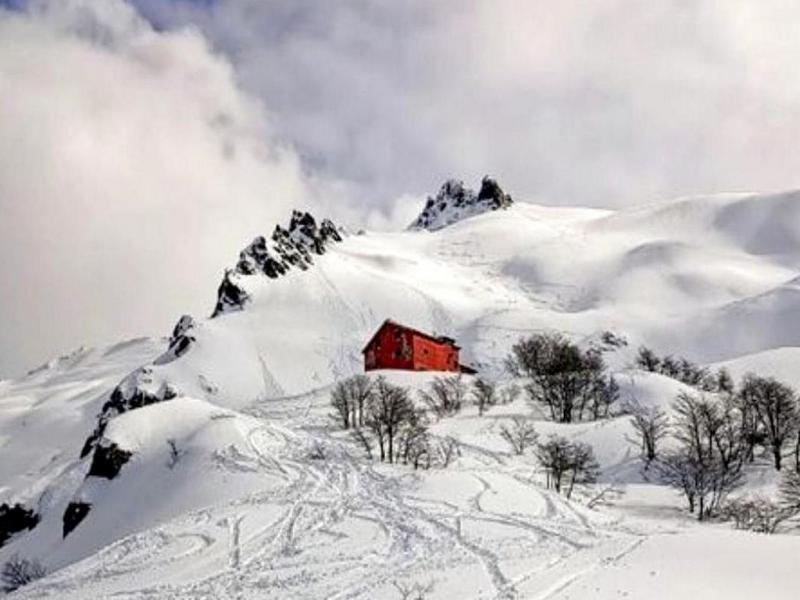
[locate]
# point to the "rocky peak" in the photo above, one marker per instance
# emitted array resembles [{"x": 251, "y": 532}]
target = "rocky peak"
[
  {"x": 493, "y": 195},
  {"x": 287, "y": 248},
  {"x": 455, "y": 202}
]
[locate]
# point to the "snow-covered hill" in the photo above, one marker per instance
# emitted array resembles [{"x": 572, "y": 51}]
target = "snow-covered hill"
[{"x": 206, "y": 464}]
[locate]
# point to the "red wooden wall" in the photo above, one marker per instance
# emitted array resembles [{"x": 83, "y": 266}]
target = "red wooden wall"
[{"x": 396, "y": 347}]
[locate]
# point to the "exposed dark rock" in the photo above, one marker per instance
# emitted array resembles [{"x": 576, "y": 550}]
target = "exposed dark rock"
[
  {"x": 454, "y": 202},
  {"x": 73, "y": 515},
  {"x": 182, "y": 338},
  {"x": 287, "y": 248},
  {"x": 138, "y": 389},
  {"x": 15, "y": 518},
  {"x": 493, "y": 195},
  {"x": 230, "y": 297},
  {"x": 108, "y": 460}
]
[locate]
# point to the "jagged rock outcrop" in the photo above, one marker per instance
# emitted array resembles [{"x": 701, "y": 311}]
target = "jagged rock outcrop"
[
  {"x": 15, "y": 518},
  {"x": 140, "y": 388},
  {"x": 108, "y": 460},
  {"x": 455, "y": 202},
  {"x": 184, "y": 334},
  {"x": 287, "y": 248}
]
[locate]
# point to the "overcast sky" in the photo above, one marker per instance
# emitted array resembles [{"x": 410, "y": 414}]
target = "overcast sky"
[{"x": 142, "y": 144}]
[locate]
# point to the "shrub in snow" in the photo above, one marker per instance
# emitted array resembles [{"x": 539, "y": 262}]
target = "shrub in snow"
[
  {"x": 317, "y": 452},
  {"x": 520, "y": 434},
  {"x": 509, "y": 393},
  {"x": 445, "y": 395},
  {"x": 17, "y": 572},
  {"x": 484, "y": 393},
  {"x": 611, "y": 340},
  {"x": 447, "y": 449},
  {"x": 413, "y": 591},
  {"x": 685, "y": 371},
  {"x": 567, "y": 464},
  {"x": 756, "y": 513},
  {"x": 15, "y": 518},
  {"x": 569, "y": 381},
  {"x": 175, "y": 454},
  {"x": 790, "y": 490}
]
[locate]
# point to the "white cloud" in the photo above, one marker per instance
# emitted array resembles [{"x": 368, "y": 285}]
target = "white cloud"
[
  {"x": 571, "y": 102},
  {"x": 133, "y": 166},
  {"x": 132, "y": 170}
]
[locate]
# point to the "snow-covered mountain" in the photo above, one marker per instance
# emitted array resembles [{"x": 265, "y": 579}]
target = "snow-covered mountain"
[{"x": 206, "y": 464}]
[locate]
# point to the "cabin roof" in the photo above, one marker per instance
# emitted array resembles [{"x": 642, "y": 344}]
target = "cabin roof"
[{"x": 437, "y": 339}]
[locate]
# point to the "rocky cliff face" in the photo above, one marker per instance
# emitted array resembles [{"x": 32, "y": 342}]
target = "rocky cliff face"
[
  {"x": 455, "y": 202},
  {"x": 287, "y": 248}
]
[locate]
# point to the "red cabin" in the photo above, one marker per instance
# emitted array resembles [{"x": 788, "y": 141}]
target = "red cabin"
[{"x": 396, "y": 346}]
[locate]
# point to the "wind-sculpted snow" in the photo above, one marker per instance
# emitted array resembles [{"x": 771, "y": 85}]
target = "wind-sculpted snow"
[
  {"x": 221, "y": 474},
  {"x": 304, "y": 514}
]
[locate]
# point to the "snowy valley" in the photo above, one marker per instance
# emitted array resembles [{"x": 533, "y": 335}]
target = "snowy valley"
[{"x": 210, "y": 464}]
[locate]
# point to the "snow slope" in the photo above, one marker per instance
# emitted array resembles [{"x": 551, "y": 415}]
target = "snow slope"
[{"x": 223, "y": 495}]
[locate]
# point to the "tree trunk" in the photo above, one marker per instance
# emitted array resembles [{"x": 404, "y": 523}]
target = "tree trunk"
[{"x": 571, "y": 485}]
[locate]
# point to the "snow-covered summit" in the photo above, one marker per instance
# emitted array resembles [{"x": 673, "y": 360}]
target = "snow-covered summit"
[
  {"x": 455, "y": 202},
  {"x": 286, "y": 249}
]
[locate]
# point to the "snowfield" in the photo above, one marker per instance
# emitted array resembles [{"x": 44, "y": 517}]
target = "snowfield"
[{"x": 240, "y": 484}]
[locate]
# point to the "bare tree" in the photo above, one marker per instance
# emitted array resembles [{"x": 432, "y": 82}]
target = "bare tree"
[
  {"x": 776, "y": 406},
  {"x": 509, "y": 393},
  {"x": 445, "y": 395},
  {"x": 362, "y": 439},
  {"x": 563, "y": 377},
  {"x": 790, "y": 490},
  {"x": 447, "y": 449},
  {"x": 414, "y": 440},
  {"x": 18, "y": 571},
  {"x": 604, "y": 397},
  {"x": 349, "y": 398},
  {"x": 388, "y": 409},
  {"x": 567, "y": 463},
  {"x": 520, "y": 434},
  {"x": 676, "y": 469},
  {"x": 706, "y": 467},
  {"x": 413, "y": 591},
  {"x": 484, "y": 393},
  {"x": 724, "y": 382},
  {"x": 651, "y": 425},
  {"x": 583, "y": 466}
]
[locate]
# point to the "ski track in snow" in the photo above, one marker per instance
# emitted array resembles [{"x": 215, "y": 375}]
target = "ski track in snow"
[
  {"x": 344, "y": 528},
  {"x": 229, "y": 551}
]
